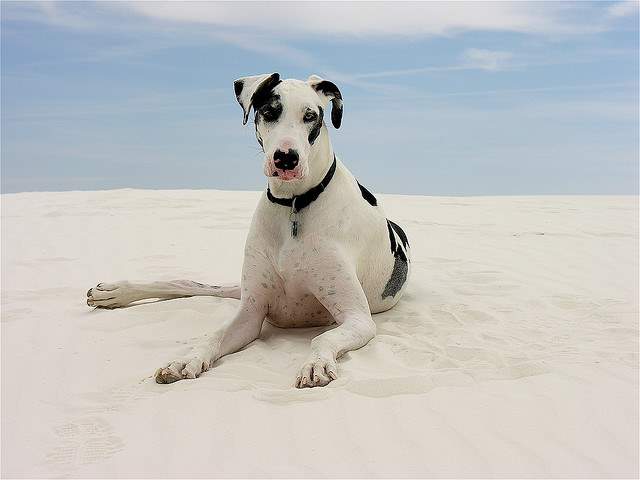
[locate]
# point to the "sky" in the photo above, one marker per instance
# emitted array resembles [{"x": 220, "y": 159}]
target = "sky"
[{"x": 440, "y": 98}]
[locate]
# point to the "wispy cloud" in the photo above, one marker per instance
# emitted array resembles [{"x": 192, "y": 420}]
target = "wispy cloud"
[
  {"x": 623, "y": 9},
  {"x": 251, "y": 26},
  {"x": 347, "y": 19},
  {"x": 126, "y": 18},
  {"x": 70, "y": 15},
  {"x": 611, "y": 87},
  {"x": 369, "y": 18},
  {"x": 482, "y": 59},
  {"x": 265, "y": 45},
  {"x": 472, "y": 59}
]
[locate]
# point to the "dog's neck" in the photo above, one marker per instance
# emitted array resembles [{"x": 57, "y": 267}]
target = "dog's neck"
[{"x": 319, "y": 163}]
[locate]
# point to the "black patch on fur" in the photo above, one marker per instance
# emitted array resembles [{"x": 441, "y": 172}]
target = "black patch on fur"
[
  {"x": 401, "y": 264},
  {"x": 397, "y": 279},
  {"x": 367, "y": 195},
  {"x": 392, "y": 238},
  {"x": 317, "y": 126},
  {"x": 336, "y": 113},
  {"x": 396, "y": 249},
  {"x": 271, "y": 109},
  {"x": 331, "y": 90},
  {"x": 264, "y": 93},
  {"x": 238, "y": 85},
  {"x": 400, "y": 232}
]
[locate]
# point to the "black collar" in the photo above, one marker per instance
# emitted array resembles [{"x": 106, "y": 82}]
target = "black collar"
[{"x": 298, "y": 202}]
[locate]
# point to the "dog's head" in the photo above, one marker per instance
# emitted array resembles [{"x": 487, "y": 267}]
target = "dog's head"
[{"x": 289, "y": 119}]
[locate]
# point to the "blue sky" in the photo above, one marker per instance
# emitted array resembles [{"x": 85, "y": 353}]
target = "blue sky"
[{"x": 446, "y": 98}]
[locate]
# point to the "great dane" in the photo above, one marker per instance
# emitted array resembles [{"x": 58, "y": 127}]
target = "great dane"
[{"x": 320, "y": 249}]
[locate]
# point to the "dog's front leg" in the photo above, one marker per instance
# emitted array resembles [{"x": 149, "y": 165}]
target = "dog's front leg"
[
  {"x": 340, "y": 292},
  {"x": 231, "y": 336}
]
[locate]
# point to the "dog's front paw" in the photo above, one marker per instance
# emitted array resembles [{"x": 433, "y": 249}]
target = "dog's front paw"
[
  {"x": 180, "y": 370},
  {"x": 318, "y": 371}
]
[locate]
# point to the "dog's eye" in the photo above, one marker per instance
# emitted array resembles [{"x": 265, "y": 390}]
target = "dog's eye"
[
  {"x": 269, "y": 114},
  {"x": 310, "y": 116}
]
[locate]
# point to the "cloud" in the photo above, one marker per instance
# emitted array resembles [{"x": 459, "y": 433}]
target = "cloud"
[
  {"x": 271, "y": 28},
  {"x": 126, "y": 18},
  {"x": 622, "y": 9},
  {"x": 268, "y": 46},
  {"x": 486, "y": 59},
  {"x": 71, "y": 16},
  {"x": 490, "y": 61},
  {"x": 605, "y": 88},
  {"x": 368, "y": 18},
  {"x": 471, "y": 59},
  {"x": 346, "y": 19}
]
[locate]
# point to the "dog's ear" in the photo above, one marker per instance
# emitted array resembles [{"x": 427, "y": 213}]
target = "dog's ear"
[
  {"x": 249, "y": 88},
  {"x": 328, "y": 91}
]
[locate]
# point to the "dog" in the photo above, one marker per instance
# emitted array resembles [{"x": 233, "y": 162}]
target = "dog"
[{"x": 320, "y": 250}]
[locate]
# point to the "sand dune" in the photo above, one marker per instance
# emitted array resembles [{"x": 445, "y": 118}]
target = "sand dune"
[{"x": 513, "y": 354}]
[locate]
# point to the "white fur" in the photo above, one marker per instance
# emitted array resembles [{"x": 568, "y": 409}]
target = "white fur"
[{"x": 334, "y": 271}]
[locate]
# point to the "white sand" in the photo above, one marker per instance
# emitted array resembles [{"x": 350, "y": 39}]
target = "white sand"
[{"x": 514, "y": 352}]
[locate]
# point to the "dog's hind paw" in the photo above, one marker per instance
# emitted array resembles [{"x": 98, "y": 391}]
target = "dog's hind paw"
[{"x": 111, "y": 295}]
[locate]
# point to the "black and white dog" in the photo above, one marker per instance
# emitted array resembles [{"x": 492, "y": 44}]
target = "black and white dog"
[{"x": 319, "y": 251}]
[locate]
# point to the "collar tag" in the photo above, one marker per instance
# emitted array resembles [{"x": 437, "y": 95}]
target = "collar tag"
[{"x": 293, "y": 218}]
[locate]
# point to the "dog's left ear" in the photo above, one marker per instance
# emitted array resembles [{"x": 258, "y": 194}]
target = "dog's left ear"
[
  {"x": 329, "y": 91},
  {"x": 248, "y": 89}
]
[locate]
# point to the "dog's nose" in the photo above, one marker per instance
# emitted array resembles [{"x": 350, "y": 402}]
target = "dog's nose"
[{"x": 286, "y": 160}]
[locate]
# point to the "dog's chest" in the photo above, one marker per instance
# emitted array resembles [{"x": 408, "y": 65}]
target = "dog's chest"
[
  {"x": 297, "y": 309},
  {"x": 293, "y": 303}
]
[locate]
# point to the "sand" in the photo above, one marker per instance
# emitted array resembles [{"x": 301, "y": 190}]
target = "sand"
[{"x": 513, "y": 354}]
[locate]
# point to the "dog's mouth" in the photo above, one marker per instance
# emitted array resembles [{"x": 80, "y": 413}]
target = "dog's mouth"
[{"x": 285, "y": 175}]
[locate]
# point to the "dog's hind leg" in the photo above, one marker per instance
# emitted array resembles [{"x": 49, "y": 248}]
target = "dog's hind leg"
[{"x": 121, "y": 294}]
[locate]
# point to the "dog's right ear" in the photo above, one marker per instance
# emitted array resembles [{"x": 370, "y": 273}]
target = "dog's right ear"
[{"x": 249, "y": 88}]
